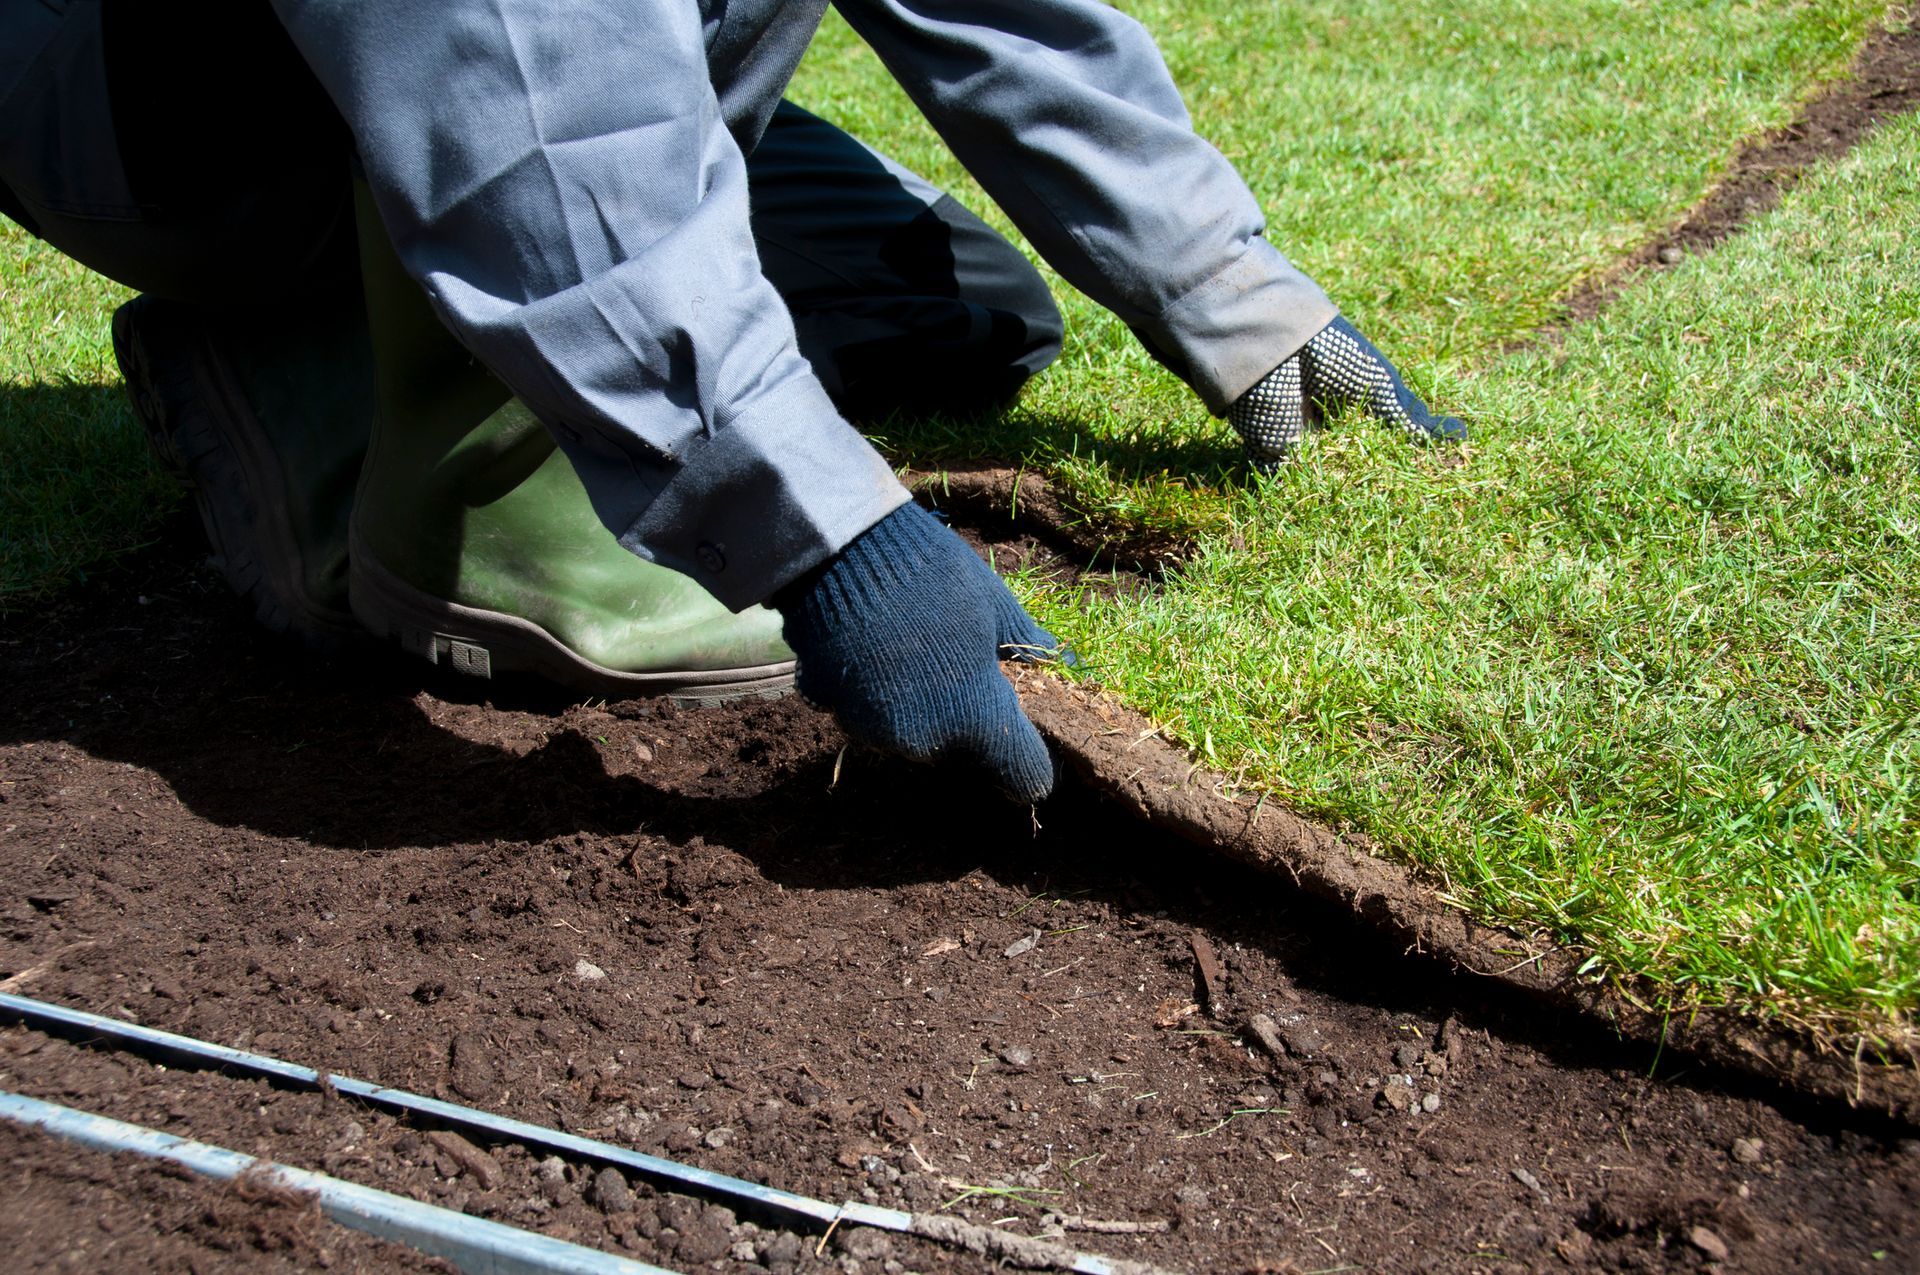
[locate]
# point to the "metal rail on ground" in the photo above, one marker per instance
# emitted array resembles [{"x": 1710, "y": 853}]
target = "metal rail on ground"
[
  {"x": 795, "y": 1211},
  {"x": 475, "y": 1245}
]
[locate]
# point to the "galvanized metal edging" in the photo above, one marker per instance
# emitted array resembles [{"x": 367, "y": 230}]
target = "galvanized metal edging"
[
  {"x": 475, "y": 1245},
  {"x": 798, "y": 1209},
  {"x": 817, "y": 1213}
]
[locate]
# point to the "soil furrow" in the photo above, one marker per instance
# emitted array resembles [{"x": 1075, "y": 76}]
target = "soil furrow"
[{"x": 1882, "y": 84}]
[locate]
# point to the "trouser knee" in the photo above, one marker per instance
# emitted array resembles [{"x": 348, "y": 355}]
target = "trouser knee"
[
  {"x": 178, "y": 149},
  {"x": 900, "y": 296}
]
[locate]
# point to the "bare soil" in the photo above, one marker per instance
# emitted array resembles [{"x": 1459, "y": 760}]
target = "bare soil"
[
  {"x": 1882, "y": 83},
  {"x": 69, "y": 1209},
  {"x": 816, "y": 974}
]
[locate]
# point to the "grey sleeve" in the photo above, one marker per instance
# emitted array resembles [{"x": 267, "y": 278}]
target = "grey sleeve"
[
  {"x": 1065, "y": 112},
  {"x": 560, "y": 180}
]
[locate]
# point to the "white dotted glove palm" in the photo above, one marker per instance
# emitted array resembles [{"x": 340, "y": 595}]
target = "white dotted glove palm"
[{"x": 1336, "y": 368}]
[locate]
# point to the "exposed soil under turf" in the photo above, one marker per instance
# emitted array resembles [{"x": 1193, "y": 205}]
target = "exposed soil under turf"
[
  {"x": 816, "y": 974},
  {"x": 1883, "y": 82},
  {"x": 72, "y": 1210}
]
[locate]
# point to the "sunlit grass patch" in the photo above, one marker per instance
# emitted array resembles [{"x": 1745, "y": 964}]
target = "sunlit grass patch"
[
  {"x": 1641, "y": 670},
  {"x": 76, "y": 483}
]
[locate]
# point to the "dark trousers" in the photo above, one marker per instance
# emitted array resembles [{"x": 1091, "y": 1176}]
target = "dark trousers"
[{"x": 184, "y": 150}]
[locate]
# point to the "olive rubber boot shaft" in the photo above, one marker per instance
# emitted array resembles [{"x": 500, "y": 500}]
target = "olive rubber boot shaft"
[
  {"x": 265, "y": 418},
  {"x": 474, "y": 543}
]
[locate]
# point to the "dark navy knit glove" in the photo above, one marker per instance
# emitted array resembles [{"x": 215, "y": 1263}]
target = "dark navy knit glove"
[
  {"x": 1336, "y": 368},
  {"x": 901, "y": 634}
]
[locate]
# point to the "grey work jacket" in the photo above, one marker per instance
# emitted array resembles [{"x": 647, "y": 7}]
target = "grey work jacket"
[{"x": 565, "y": 177}]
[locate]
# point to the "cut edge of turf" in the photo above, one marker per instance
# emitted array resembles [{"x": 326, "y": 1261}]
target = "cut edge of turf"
[
  {"x": 1880, "y": 83},
  {"x": 1128, "y": 760}
]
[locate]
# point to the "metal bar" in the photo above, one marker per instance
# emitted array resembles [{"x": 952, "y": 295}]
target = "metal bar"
[
  {"x": 475, "y": 1245},
  {"x": 795, "y": 1210},
  {"x": 816, "y": 1214}
]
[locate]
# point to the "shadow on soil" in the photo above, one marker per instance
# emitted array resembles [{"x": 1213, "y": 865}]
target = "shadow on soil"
[{"x": 157, "y": 668}]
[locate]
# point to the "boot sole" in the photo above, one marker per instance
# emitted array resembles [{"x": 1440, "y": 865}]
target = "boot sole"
[
  {"x": 481, "y": 643},
  {"x": 196, "y": 421}
]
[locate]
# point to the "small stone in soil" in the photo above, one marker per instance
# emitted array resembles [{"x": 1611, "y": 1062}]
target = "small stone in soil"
[
  {"x": 1407, "y": 1056},
  {"x": 716, "y": 1139},
  {"x": 1430, "y": 1103},
  {"x": 1020, "y": 947},
  {"x": 1398, "y": 1095},
  {"x": 1016, "y": 1056},
  {"x": 783, "y": 1250},
  {"x": 1748, "y": 1150},
  {"x": 1709, "y": 1243},
  {"x": 1301, "y": 1040},
  {"x": 1526, "y": 1179},
  {"x": 611, "y": 1192},
  {"x": 1267, "y": 1032},
  {"x": 587, "y": 972},
  {"x": 706, "y": 1237},
  {"x": 477, "y": 1164},
  {"x": 693, "y": 1079},
  {"x": 1671, "y": 255},
  {"x": 866, "y": 1243},
  {"x": 1575, "y": 1248}
]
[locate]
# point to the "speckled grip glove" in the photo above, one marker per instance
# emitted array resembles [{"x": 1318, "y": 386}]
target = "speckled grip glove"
[
  {"x": 1336, "y": 368},
  {"x": 901, "y": 634}
]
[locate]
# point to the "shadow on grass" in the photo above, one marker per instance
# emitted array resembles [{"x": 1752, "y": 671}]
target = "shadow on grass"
[
  {"x": 78, "y": 486},
  {"x": 1049, "y": 441}
]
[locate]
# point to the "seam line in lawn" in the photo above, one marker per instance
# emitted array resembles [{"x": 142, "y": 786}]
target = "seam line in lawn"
[{"x": 1881, "y": 84}]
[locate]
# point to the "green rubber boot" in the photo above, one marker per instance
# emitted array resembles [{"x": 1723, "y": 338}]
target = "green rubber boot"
[
  {"x": 474, "y": 544},
  {"x": 264, "y": 417}
]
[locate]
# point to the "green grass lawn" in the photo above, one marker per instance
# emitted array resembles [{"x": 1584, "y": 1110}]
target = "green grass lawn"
[
  {"x": 1634, "y": 673},
  {"x": 76, "y": 484},
  {"x": 1644, "y": 670},
  {"x": 1631, "y": 670}
]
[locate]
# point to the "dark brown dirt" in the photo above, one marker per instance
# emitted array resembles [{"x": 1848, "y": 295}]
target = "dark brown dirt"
[
  {"x": 1017, "y": 521},
  {"x": 73, "y": 1209},
  {"x": 808, "y": 982},
  {"x": 1883, "y": 82},
  {"x": 1117, "y": 753}
]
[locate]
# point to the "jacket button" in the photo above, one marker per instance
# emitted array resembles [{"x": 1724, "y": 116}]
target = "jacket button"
[{"x": 710, "y": 558}]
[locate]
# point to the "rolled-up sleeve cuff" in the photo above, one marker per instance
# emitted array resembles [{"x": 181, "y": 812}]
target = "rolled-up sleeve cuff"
[
  {"x": 1237, "y": 326},
  {"x": 779, "y": 490}
]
